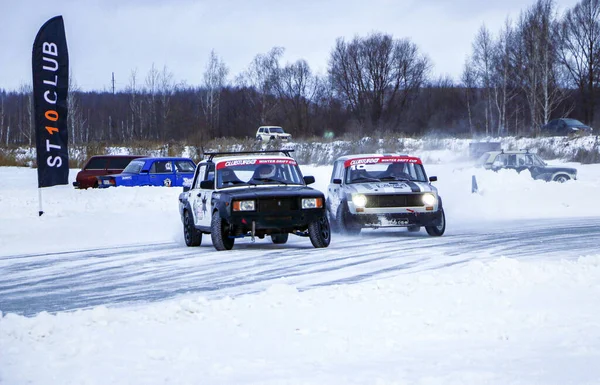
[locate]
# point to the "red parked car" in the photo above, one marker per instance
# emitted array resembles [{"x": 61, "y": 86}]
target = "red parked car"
[{"x": 101, "y": 165}]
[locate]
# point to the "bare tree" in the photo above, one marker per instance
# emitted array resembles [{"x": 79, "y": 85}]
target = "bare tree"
[
  {"x": 483, "y": 57},
  {"x": 260, "y": 77},
  {"x": 2, "y": 115},
  {"x": 215, "y": 77},
  {"x": 75, "y": 119},
  {"x": 377, "y": 76},
  {"x": 469, "y": 81},
  {"x": 538, "y": 61},
  {"x": 580, "y": 51},
  {"x": 297, "y": 87},
  {"x": 151, "y": 101},
  {"x": 166, "y": 88},
  {"x": 135, "y": 107},
  {"x": 505, "y": 89}
]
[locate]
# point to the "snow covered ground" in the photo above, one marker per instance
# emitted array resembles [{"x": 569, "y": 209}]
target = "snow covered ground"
[{"x": 495, "y": 319}]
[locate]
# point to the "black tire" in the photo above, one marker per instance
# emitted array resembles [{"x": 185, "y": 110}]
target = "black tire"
[
  {"x": 320, "y": 232},
  {"x": 279, "y": 239},
  {"x": 219, "y": 234},
  {"x": 344, "y": 221},
  {"x": 561, "y": 178},
  {"x": 413, "y": 228},
  {"x": 437, "y": 231},
  {"x": 192, "y": 236}
]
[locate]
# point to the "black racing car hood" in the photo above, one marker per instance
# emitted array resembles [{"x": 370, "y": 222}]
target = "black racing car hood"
[{"x": 270, "y": 192}]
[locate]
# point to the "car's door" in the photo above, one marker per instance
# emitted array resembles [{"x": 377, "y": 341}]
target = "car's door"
[
  {"x": 162, "y": 173},
  {"x": 184, "y": 170},
  {"x": 335, "y": 190},
  {"x": 200, "y": 198},
  {"x": 522, "y": 162}
]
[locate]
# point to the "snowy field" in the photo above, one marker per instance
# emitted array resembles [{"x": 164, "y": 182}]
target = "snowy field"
[{"x": 497, "y": 317}]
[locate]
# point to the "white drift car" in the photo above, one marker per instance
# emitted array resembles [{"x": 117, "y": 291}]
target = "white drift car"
[{"x": 373, "y": 190}]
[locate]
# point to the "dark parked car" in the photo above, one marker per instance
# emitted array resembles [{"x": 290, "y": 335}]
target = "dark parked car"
[
  {"x": 235, "y": 195},
  {"x": 152, "y": 171},
  {"x": 565, "y": 126},
  {"x": 101, "y": 165},
  {"x": 524, "y": 160}
]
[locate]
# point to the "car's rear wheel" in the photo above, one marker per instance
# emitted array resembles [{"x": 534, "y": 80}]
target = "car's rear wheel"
[
  {"x": 219, "y": 233},
  {"x": 439, "y": 229},
  {"x": 279, "y": 238},
  {"x": 345, "y": 223},
  {"x": 320, "y": 232},
  {"x": 192, "y": 236},
  {"x": 561, "y": 178}
]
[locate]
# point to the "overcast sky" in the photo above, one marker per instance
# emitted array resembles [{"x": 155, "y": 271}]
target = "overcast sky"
[{"x": 122, "y": 35}]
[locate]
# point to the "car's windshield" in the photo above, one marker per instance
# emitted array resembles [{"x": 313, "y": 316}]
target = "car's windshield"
[
  {"x": 573, "y": 122},
  {"x": 535, "y": 160},
  {"x": 482, "y": 160},
  {"x": 276, "y": 130},
  {"x": 253, "y": 172},
  {"x": 134, "y": 167},
  {"x": 385, "y": 171}
]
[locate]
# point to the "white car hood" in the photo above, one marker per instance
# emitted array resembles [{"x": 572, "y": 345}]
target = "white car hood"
[{"x": 390, "y": 187}]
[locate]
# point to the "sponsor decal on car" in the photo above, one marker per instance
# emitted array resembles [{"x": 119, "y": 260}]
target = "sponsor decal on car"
[
  {"x": 245, "y": 162},
  {"x": 371, "y": 160}
]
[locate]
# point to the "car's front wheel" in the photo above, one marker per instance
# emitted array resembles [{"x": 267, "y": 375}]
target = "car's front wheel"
[
  {"x": 345, "y": 223},
  {"x": 219, "y": 233},
  {"x": 279, "y": 239},
  {"x": 561, "y": 178},
  {"x": 192, "y": 236},
  {"x": 319, "y": 232},
  {"x": 439, "y": 229}
]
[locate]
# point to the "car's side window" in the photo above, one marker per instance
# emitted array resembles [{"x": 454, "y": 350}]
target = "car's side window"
[
  {"x": 200, "y": 176},
  {"x": 161, "y": 167},
  {"x": 210, "y": 175},
  {"x": 338, "y": 171},
  {"x": 96, "y": 164},
  {"x": 184, "y": 166}
]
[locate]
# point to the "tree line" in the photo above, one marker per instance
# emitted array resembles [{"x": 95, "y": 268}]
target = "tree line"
[{"x": 538, "y": 67}]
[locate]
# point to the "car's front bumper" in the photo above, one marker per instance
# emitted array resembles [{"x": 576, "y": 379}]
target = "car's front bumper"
[
  {"x": 284, "y": 221},
  {"x": 431, "y": 218}
]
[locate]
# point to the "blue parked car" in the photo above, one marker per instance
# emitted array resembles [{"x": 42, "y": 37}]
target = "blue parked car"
[{"x": 152, "y": 171}]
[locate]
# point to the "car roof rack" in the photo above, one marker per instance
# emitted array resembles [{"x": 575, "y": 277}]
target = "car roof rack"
[{"x": 211, "y": 155}]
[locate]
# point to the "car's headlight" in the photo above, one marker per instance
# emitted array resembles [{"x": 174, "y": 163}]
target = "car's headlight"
[
  {"x": 243, "y": 206},
  {"x": 359, "y": 200},
  {"x": 312, "y": 203},
  {"x": 429, "y": 199}
]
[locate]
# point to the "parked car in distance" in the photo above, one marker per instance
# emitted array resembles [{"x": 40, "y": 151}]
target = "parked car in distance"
[
  {"x": 565, "y": 126},
  {"x": 101, "y": 165},
  {"x": 152, "y": 171},
  {"x": 252, "y": 194},
  {"x": 524, "y": 160},
  {"x": 392, "y": 190},
  {"x": 272, "y": 133}
]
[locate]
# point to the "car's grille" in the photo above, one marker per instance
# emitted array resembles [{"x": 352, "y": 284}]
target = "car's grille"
[
  {"x": 277, "y": 204},
  {"x": 396, "y": 200}
]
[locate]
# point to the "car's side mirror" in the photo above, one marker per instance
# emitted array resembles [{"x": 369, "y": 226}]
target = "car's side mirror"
[
  {"x": 309, "y": 179},
  {"x": 337, "y": 181},
  {"x": 207, "y": 184},
  {"x": 433, "y": 178}
]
